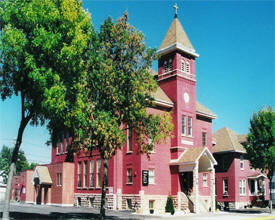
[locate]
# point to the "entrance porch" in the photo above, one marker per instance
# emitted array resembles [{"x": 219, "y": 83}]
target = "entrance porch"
[{"x": 196, "y": 193}]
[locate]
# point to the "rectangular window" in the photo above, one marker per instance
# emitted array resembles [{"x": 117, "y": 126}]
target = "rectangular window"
[
  {"x": 79, "y": 174},
  {"x": 225, "y": 187},
  {"x": 151, "y": 176},
  {"x": 189, "y": 126},
  {"x": 85, "y": 180},
  {"x": 183, "y": 125},
  {"x": 59, "y": 179},
  {"x": 242, "y": 188},
  {"x": 203, "y": 139},
  {"x": 241, "y": 162},
  {"x": 129, "y": 141},
  {"x": 98, "y": 173},
  {"x": 151, "y": 204},
  {"x": 205, "y": 182},
  {"x": 129, "y": 176},
  {"x": 92, "y": 173}
]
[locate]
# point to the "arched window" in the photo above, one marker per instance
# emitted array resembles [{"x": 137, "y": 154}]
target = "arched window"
[
  {"x": 187, "y": 67},
  {"x": 165, "y": 66},
  {"x": 182, "y": 65},
  {"x": 170, "y": 65}
]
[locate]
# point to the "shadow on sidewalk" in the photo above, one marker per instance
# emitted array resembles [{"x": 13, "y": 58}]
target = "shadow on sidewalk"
[{"x": 61, "y": 216}]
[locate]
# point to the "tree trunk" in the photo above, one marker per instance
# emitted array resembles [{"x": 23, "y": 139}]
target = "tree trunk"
[
  {"x": 6, "y": 208},
  {"x": 103, "y": 194},
  {"x": 270, "y": 199}
]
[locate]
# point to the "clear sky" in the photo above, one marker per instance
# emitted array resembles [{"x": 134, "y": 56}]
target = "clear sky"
[{"x": 235, "y": 70}]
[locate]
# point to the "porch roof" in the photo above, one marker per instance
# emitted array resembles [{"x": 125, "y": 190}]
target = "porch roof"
[
  {"x": 192, "y": 155},
  {"x": 256, "y": 176},
  {"x": 42, "y": 173}
]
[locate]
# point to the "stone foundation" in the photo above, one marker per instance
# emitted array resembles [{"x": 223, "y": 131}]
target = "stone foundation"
[{"x": 92, "y": 200}]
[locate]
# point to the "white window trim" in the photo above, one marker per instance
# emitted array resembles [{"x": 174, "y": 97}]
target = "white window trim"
[
  {"x": 189, "y": 68},
  {"x": 92, "y": 171},
  {"x": 204, "y": 132},
  {"x": 185, "y": 127},
  {"x": 241, "y": 162},
  {"x": 154, "y": 179},
  {"x": 189, "y": 135},
  {"x": 127, "y": 182},
  {"x": 225, "y": 193},
  {"x": 242, "y": 187}
]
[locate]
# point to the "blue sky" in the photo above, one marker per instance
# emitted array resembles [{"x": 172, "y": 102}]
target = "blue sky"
[{"x": 235, "y": 70}]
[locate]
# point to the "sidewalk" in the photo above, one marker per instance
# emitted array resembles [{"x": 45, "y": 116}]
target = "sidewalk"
[{"x": 43, "y": 212}]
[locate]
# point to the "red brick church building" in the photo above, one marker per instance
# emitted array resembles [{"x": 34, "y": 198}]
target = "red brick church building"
[{"x": 182, "y": 167}]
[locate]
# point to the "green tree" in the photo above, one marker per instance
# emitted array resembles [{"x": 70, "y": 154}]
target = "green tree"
[
  {"x": 261, "y": 143},
  {"x": 5, "y": 161},
  {"x": 119, "y": 89},
  {"x": 42, "y": 59},
  {"x": 170, "y": 205}
]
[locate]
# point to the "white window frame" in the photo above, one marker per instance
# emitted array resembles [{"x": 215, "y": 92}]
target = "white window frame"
[
  {"x": 182, "y": 65},
  {"x": 187, "y": 67},
  {"x": 205, "y": 180},
  {"x": 170, "y": 65},
  {"x": 129, "y": 176},
  {"x": 241, "y": 162},
  {"x": 79, "y": 171},
  {"x": 98, "y": 173},
  {"x": 189, "y": 129},
  {"x": 129, "y": 141},
  {"x": 204, "y": 139},
  {"x": 165, "y": 67},
  {"x": 152, "y": 176},
  {"x": 225, "y": 192},
  {"x": 92, "y": 173},
  {"x": 242, "y": 187},
  {"x": 183, "y": 125},
  {"x": 85, "y": 174},
  {"x": 58, "y": 179}
]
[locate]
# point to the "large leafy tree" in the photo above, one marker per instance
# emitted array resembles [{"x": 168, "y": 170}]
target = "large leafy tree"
[
  {"x": 261, "y": 142},
  {"x": 119, "y": 90},
  {"x": 5, "y": 161},
  {"x": 42, "y": 59}
]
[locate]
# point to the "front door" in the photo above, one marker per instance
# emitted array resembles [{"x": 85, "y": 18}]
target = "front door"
[{"x": 186, "y": 182}]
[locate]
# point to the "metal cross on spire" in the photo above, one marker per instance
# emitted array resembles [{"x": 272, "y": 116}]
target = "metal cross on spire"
[{"x": 176, "y": 9}]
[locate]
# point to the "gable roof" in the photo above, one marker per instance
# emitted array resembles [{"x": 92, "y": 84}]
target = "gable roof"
[
  {"x": 192, "y": 155},
  {"x": 42, "y": 173},
  {"x": 176, "y": 38},
  {"x": 203, "y": 111},
  {"x": 227, "y": 141}
]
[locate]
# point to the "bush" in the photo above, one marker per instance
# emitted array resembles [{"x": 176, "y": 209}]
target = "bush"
[{"x": 169, "y": 205}]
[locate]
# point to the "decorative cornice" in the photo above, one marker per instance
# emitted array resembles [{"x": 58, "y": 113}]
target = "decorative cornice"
[
  {"x": 180, "y": 47},
  {"x": 205, "y": 114}
]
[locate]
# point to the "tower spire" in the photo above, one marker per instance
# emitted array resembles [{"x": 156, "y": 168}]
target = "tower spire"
[{"x": 176, "y": 10}]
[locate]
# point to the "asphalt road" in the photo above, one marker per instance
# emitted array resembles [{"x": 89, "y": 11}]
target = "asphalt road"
[{"x": 41, "y": 212}]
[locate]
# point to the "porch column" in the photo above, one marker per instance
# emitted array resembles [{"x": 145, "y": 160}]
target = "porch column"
[
  {"x": 256, "y": 187},
  {"x": 212, "y": 189},
  {"x": 196, "y": 187}
]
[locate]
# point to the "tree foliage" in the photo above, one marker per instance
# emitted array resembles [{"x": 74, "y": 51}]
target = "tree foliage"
[
  {"x": 169, "y": 207},
  {"x": 261, "y": 141},
  {"x": 5, "y": 161},
  {"x": 42, "y": 59}
]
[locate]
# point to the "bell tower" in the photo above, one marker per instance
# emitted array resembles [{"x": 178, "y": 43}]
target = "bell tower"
[{"x": 177, "y": 77}]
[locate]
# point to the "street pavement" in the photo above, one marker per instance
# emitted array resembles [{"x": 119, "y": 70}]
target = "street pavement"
[{"x": 42, "y": 212}]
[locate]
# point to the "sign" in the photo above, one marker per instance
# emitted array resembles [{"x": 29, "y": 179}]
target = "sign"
[{"x": 145, "y": 177}]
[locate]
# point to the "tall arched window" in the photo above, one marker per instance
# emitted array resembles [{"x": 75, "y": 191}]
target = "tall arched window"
[
  {"x": 182, "y": 65},
  {"x": 170, "y": 65},
  {"x": 187, "y": 67},
  {"x": 165, "y": 66}
]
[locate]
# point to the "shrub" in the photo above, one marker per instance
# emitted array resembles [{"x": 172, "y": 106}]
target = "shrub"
[{"x": 169, "y": 205}]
